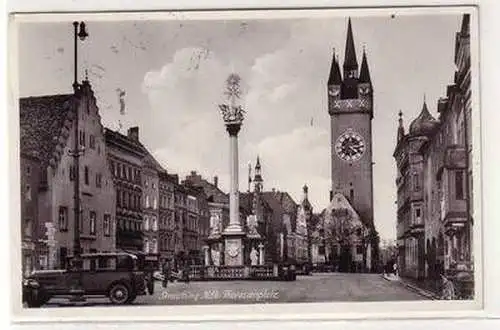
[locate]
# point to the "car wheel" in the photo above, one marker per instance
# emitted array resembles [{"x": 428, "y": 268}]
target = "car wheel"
[{"x": 119, "y": 294}]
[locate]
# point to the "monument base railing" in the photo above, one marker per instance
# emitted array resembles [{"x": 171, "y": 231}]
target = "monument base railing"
[{"x": 273, "y": 272}]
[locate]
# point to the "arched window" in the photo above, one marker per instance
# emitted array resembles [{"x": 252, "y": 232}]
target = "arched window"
[
  {"x": 146, "y": 245},
  {"x": 146, "y": 223},
  {"x": 154, "y": 224}
]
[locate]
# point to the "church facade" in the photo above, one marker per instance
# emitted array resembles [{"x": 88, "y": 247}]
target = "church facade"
[{"x": 350, "y": 106}]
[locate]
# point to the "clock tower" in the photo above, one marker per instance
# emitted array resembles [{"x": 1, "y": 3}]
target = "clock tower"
[{"x": 350, "y": 106}]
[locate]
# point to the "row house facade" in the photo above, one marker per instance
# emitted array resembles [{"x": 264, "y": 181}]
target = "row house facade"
[
  {"x": 435, "y": 180},
  {"x": 151, "y": 211},
  {"x": 167, "y": 226},
  {"x": 50, "y": 129},
  {"x": 125, "y": 157}
]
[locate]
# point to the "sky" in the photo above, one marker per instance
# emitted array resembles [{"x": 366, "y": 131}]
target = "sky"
[{"x": 173, "y": 74}]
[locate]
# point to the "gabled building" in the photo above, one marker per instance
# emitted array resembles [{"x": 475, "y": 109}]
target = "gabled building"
[{"x": 48, "y": 140}]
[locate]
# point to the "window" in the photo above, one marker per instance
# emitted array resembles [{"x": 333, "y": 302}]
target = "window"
[
  {"x": 71, "y": 173},
  {"x": 28, "y": 228},
  {"x": 146, "y": 245},
  {"x": 119, "y": 198},
  {"x": 418, "y": 215},
  {"x": 459, "y": 185},
  {"x": 28, "y": 192},
  {"x": 86, "y": 174},
  {"x": 107, "y": 225},
  {"x": 130, "y": 174},
  {"x": 98, "y": 180},
  {"x": 103, "y": 263},
  {"x": 147, "y": 202},
  {"x": 92, "y": 222},
  {"x": 416, "y": 182},
  {"x": 92, "y": 142},
  {"x": 28, "y": 170},
  {"x": 155, "y": 203},
  {"x": 63, "y": 255},
  {"x": 359, "y": 249},
  {"x": 146, "y": 223},
  {"x": 146, "y": 183},
  {"x": 154, "y": 224},
  {"x": 98, "y": 149},
  {"x": 63, "y": 218},
  {"x": 82, "y": 138},
  {"x": 155, "y": 246},
  {"x": 154, "y": 185},
  {"x": 351, "y": 195}
]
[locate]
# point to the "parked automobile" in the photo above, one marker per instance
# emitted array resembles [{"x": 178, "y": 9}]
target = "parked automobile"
[{"x": 113, "y": 275}]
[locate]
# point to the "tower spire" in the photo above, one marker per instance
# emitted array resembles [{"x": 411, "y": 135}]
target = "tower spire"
[
  {"x": 364, "y": 74},
  {"x": 350, "y": 62},
  {"x": 401, "y": 129},
  {"x": 335, "y": 75},
  {"x": 257, "y": 180}
]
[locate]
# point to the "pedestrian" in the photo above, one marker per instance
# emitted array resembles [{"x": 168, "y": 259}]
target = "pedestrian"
[
  {"x": 395, "y": 268},
  {"x": 165, "y": 273}
]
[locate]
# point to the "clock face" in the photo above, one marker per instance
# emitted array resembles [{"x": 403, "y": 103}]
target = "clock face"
[{"x": 350, "y": 146}]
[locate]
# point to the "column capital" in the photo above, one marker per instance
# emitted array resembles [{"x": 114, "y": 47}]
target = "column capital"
[{"x": 233, "y": 128}]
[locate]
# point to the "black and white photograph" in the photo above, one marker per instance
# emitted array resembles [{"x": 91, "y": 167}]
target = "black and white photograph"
[{"x": 247, "y": 157}]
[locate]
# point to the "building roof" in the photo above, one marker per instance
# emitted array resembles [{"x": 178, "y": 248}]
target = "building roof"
[
  {"x": 282, "y": 203},
  {"x": 213, "y": 193},
  {"x": 124, "y": 142},
  {"x": 41, "y": 121},
  {"x": 424, "y": 124}
]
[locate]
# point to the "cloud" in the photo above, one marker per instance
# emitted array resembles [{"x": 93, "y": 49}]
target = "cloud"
[
  {"x": 183, "y": 96},
  {"x": 293, "y": 159}
]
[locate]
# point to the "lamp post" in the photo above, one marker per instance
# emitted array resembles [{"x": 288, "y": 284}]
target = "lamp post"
[
  {"x": 232, "y": 115},
  {"x": 81, "y": 33}
]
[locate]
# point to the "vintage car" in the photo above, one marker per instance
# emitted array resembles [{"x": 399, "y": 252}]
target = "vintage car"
[{"x": 113, "y": 275}]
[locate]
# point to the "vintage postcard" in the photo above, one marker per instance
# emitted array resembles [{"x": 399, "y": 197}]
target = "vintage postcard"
[{"x": 299, "y": 159}]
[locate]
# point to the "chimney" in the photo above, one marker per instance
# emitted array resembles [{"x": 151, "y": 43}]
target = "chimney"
[
  {"x": 216, "y": 181},
  {"x": 133, "y": 133}
]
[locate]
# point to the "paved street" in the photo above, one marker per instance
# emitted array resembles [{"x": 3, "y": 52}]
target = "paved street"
[{"x": 328, "y": 287}]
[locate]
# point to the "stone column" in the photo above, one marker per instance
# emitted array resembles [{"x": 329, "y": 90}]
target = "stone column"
[
  {"x": 234, "y": 202},
  {"x": 261, "y": 254}
]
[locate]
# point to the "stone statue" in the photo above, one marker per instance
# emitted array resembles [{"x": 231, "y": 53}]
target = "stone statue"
[
  {"x": 214, "y": 224},
  {"x": 252, "y": 224},
  {"x": 216, "y": 257},
  {"x": 254, "y": 257}
]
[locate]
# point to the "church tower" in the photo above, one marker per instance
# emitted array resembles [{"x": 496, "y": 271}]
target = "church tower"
[{"x": 350, "y": 105}]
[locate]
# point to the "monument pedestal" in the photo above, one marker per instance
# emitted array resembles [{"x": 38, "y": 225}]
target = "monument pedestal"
[{"x": 234, "y": 246}]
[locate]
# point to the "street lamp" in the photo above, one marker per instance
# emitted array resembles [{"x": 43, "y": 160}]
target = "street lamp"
[{"x": 81, "y": 33}]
